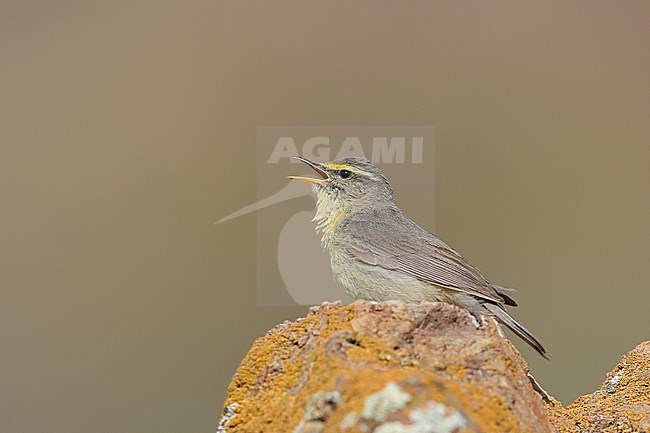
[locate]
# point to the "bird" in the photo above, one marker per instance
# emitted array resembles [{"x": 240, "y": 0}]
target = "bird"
[{"x": 379, "y": 254}]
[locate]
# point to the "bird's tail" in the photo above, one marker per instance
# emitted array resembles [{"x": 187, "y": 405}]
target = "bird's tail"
[{"x": 523, "y": 333}]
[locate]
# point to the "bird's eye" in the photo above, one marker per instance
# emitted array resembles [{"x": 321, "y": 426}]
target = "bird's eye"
[{"x": 345, "y": 173}]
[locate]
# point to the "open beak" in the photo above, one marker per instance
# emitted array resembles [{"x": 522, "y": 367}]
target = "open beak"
[{"x": 318, "y": 168}]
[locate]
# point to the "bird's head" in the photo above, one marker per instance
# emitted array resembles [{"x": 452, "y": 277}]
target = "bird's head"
[{"x": 345, "y": 187}]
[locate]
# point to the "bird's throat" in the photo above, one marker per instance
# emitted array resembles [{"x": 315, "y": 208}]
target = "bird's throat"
[{"x": 329, "y": 215}]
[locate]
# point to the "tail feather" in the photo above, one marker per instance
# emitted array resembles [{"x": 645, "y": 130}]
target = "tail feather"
[
  {"x": 523, "y": 333},
  {"x": 506, "y": 294}
]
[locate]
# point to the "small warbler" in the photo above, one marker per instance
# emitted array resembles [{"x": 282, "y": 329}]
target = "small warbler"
[{"x": 379, "y": 254}]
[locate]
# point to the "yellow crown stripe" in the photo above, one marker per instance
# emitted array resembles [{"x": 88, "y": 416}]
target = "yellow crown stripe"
[
  {"x": 335, "y": 166},
  {"x": 353, "y": 169}
]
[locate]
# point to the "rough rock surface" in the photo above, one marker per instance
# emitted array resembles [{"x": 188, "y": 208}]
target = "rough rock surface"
[
  {"x": 384, "y": 368},
  {"x": 620, "y": 405},
  {"x": 398, "y": 368}
]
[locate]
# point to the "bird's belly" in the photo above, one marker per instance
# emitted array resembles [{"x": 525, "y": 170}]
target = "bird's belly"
[{"x": 363, "y": 281}]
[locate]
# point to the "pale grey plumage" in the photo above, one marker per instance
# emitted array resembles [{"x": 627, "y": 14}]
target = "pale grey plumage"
[{"x": 378, "y": 253}]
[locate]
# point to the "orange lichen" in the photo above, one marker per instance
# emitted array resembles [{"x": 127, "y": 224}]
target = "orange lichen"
[
  {"x": 487, "y": 410},
  {"x": 457, "y": 371},
  {"x": 510, "y": 365},
  {"x": 482, "y": 408},
  {"x": 355, "y": 351},
  {"x": 272, "y": 363},
  {"x": 622, "y": 403},
  {"x": 364, "y": 382}
]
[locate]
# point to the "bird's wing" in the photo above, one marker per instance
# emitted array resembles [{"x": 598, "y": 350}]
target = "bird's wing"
[{"x": 422, "y": 256}]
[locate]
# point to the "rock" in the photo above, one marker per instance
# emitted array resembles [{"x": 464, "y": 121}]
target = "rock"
[
  {"x": 429, "y": 368},
  {"x": 384, "y": 368},
  {"x": 620, "y": 405}
]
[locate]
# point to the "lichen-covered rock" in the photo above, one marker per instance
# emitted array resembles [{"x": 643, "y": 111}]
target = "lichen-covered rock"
[
  {"x": 384, "y": 368},
  {"x": 620, "y": 405},
  {"x": 429, "y": 368}
]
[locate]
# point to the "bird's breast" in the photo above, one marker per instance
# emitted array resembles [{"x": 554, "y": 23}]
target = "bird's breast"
[{"x": 364, "y": 281}]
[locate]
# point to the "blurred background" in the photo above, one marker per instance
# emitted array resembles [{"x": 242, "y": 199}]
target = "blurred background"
[{"x": 128, "y": 128}]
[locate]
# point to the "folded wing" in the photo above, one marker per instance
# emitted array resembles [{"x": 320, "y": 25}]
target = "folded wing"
[{"x": 423, "y": 256}]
